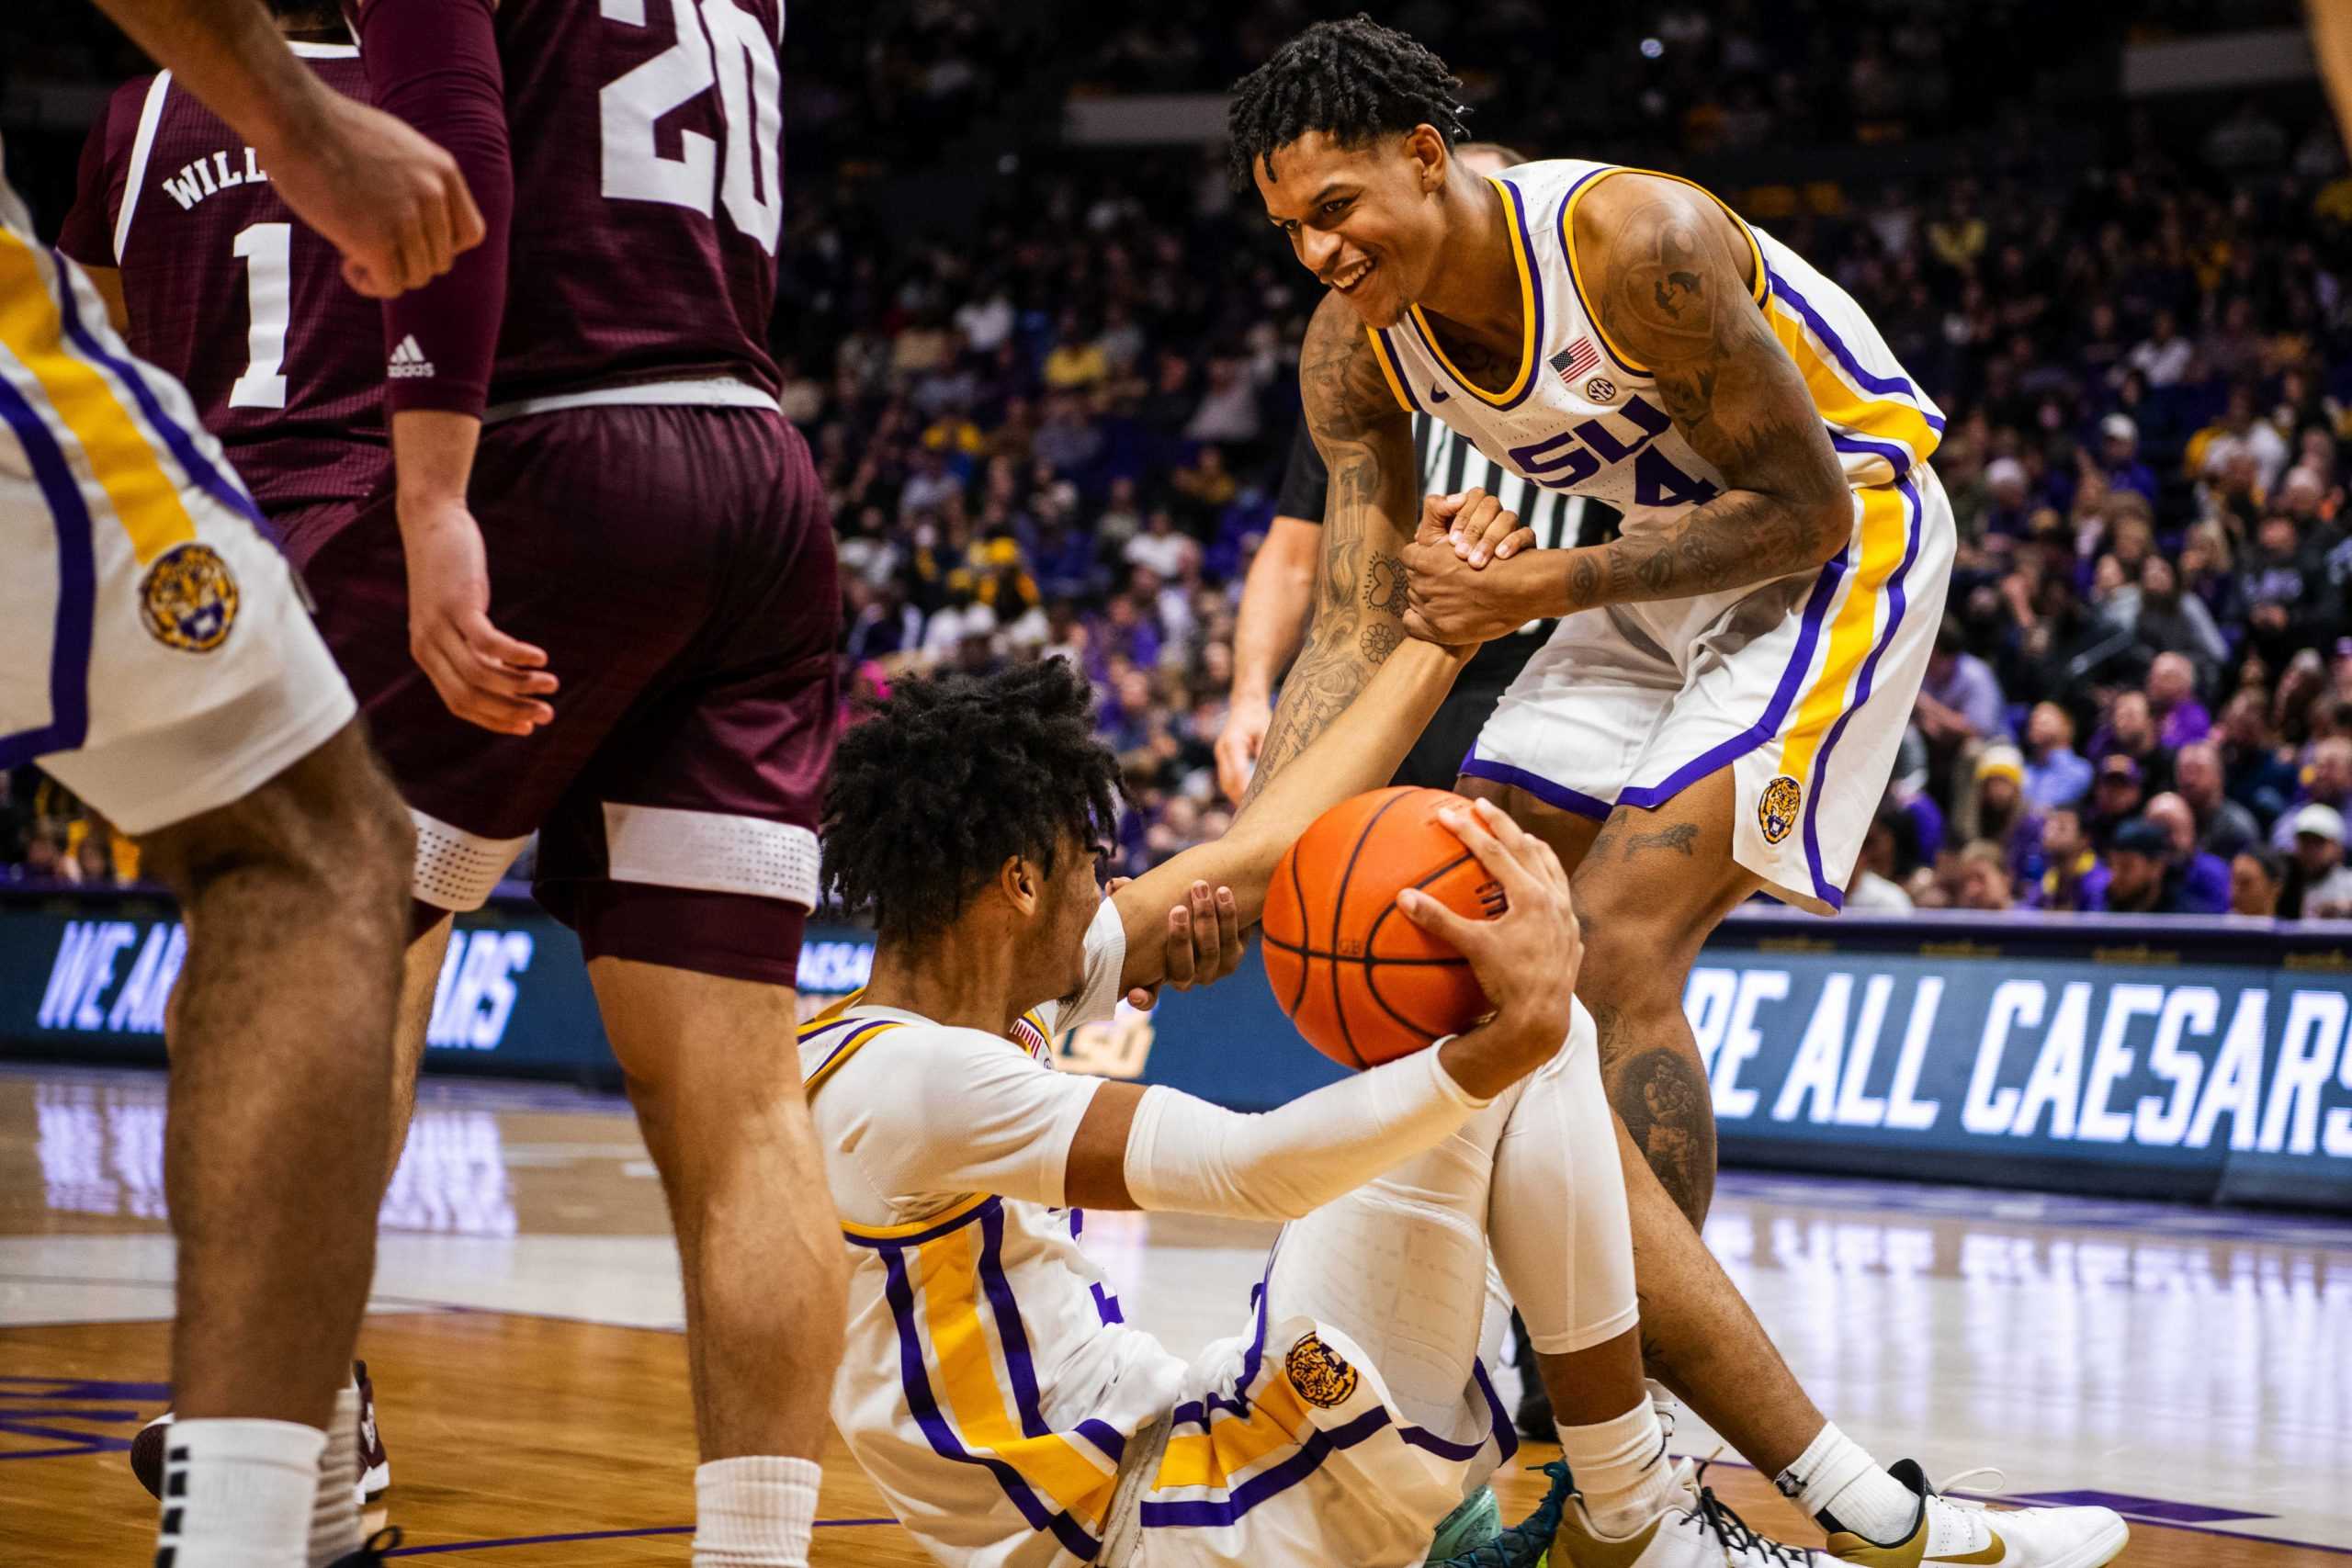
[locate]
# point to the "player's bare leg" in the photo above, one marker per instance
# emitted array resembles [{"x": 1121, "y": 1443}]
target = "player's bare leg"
[
  {"x": 280, "y": 1031},
  {"x": 717, "y": 1085},
  {"x": 420, "y": 975}
]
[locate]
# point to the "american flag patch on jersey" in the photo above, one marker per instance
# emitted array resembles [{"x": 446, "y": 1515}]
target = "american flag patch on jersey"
[{"x": 1576, "y": 359}]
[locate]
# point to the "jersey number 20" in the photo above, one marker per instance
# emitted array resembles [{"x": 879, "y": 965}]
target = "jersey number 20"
[{"x": 717, "y": 44}]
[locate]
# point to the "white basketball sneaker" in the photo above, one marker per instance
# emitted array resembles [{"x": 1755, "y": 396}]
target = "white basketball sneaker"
[
  {"x": 1697, "y": 1530},
  {"x": 1956, "y": 1531}
]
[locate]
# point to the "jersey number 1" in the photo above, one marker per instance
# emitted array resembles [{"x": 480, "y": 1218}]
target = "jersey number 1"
[
  {"x": 269, "y": 252},
  {"x": 726, "y": 48}
]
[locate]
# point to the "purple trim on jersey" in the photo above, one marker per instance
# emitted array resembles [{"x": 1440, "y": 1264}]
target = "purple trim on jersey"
[
  {"x": 1567, "y": 255},
  {"x": 1010, "y": 1333},
  {"x": 1822, "y": 888},
  {"x": 1724, "y": 754},
  {"x": 885, "y": 1243},
  {"x": 1398, "y": 368},
  {"x": 1269, "y": 1483},
  {"x": 1897, "y": 386},
  {"x": 1543, "y": 789},
  {"x": 869, "y": 1026},
  {"x": 924, "y": 1406},
  {"x": 1106, "y": 1307},
  {"x": 1103, "y": 1435},
  {"x": 184, "y": 449},
  {"x": 77, "y": 586},
  {"x": 1899, "y": 458},
  {"x": 1535, "y": 367}
]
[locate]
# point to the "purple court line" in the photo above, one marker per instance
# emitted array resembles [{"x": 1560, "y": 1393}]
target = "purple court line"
[{"x": 590, "y": 1535}]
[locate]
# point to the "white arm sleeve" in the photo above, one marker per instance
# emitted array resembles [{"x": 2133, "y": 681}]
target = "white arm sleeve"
[{"x": 1187, "y": 1155}]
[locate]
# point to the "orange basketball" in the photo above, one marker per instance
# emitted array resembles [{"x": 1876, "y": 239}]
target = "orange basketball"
[{"x": 1362, "y": 981}]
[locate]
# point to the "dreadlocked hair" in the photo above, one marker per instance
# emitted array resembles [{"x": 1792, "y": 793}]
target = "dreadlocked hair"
[
  {"x": 1354, "y": 80},
  {"x": 952, "y": 775}
]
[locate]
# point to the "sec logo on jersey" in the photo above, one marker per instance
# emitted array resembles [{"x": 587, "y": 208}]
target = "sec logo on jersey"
[
  {"x": 1776, "y": 811},
  {"x": 1600, "y": 389},
  {"x": 188, "y": 599}
]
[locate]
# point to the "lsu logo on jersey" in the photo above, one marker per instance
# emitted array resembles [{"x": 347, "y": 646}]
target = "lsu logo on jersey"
[
  {"x": 188, "y": 599},
  {"x": 1776, "y": 810},
  {"x": 1321, "y": 1374}
]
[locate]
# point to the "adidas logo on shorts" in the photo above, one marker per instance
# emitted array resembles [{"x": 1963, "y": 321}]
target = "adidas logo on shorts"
[{"x": 408, "y": 360}]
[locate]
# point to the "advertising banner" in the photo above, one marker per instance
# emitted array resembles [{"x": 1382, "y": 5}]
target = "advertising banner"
[{"x": 2156, "y": 1059}]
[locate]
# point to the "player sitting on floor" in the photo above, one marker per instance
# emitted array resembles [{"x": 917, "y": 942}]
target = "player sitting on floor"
[{"x": 992, "y": 1390}]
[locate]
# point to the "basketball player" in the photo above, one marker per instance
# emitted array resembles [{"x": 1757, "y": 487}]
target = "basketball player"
[
  {"x": 1720, "y": 705},
  {"x": 598, "y": 603},
  {"x": 159, "y": 663},
  {"x": 1355, "y": 1413},
  {"x": 210, "y": 276},
  {"x": 1275, "y": 599}
]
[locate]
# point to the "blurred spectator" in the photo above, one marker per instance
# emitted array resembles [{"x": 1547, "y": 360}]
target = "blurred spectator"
[
  {"x": 2172, "y": 700},
  {"x": 2319, "y": 884},
  {"x": 2327, "y": 783},
  {"x": 2258, "y": 878},
  {"x": 2131, "y": 732},
  {"x": 2117, "y": 791},
  {"x": 2119, "y": 457},
  {"x": 2072, "y": 877},
  {"x": 2140, "y": 879},
  {"x": 1875, "y": 887},
  {"x": 1983, "y": 879},
  {"x": 2200, "y": 880},
  {"x": 2055, "y": 775},
  {"x": 2223, "y": 827}
]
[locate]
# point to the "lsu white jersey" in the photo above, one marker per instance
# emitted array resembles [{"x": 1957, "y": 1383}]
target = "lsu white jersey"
[
  {"x": 1580, "y": 417},
  {"x": 990, "y": 1385}
]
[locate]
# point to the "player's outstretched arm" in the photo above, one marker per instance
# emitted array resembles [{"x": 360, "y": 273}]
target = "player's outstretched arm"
[
  {"x": 389, "y": 200},
  {"x": 1370, "y": 505},
  {"x": 1360, "y": 751},
  {"x": 1156, "y": 1148},
  {"x": 1674, "y": 295}
]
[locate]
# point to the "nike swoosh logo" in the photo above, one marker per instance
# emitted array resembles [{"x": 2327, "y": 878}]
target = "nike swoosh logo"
[
  {"x": 1438, "y": 394},
  {"x": 1983, "y": 1555}
]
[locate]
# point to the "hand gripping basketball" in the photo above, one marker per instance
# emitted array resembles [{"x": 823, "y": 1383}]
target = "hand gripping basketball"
[{"x": 1526, "y": 958}]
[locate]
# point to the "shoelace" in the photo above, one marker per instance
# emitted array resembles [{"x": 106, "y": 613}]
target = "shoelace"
[
  {"x": 1731, "y": 1530},
  {"x": 382, "y": 1541},
  {"x": 1998, "y": 1483}
]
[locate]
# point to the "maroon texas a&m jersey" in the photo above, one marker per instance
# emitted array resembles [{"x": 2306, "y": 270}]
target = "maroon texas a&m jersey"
[
  {"x": 231, "y": 293},
  {"x": 647, "y": 138}
]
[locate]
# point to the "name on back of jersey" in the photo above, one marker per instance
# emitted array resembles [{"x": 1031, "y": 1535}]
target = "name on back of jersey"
[{"x": 212, "y": 175}]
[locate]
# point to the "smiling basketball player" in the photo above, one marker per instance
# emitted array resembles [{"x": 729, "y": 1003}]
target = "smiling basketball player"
[{"x": 1720, "y": 706}]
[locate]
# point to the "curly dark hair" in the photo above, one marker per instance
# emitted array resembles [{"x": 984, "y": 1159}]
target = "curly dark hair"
[
  {"x": 1355, "y": 80},
  {"x": 952, "y": 776}
]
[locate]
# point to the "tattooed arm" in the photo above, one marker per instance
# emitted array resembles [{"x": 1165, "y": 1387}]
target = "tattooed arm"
[
  {"x": 1369, "y": 513},
  {"x": 1674, "y": 280}
]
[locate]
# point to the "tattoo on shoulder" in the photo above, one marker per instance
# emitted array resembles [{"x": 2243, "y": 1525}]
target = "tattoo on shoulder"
[{"x": 1661, "y": 286}]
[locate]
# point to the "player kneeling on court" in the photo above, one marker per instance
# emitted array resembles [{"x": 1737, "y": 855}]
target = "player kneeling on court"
[{"x": 991, "y": 1388}]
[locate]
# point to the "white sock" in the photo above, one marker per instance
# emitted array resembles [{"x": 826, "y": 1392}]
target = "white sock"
[
  {"x": 237, "y": 1493},
  {"x": 1620, "y": 1466},
  {"x": 334, "y": 1510},
  {"x": 755, "y": 1512},
  {"x": 1843, "y": 1489}
]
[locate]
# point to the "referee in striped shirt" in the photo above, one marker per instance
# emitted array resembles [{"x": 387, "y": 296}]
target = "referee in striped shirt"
[{"x": 1272, "y": 621}]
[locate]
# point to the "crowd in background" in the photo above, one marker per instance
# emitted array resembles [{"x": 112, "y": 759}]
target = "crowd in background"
[{"x": 1049, "y": 421}]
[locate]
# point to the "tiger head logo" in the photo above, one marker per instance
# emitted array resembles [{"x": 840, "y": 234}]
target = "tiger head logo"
[
  {"x": 188, "y": 599},
  {"x": 1776, "y": 811},
  {"x": 1321, "y": 1374}
]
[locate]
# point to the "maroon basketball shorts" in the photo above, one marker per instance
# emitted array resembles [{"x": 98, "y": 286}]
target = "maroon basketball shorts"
[{"x": 676, "y": 563}]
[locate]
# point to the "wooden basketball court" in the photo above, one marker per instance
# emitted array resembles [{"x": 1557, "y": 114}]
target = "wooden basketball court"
[{"x": 2192, "y": 1369}]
